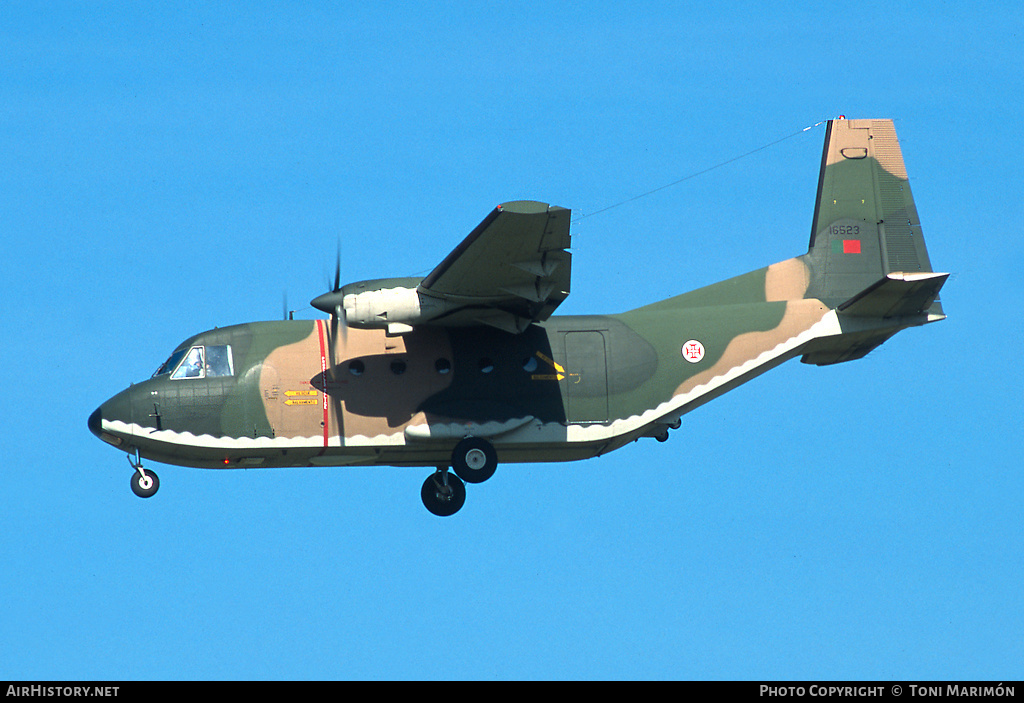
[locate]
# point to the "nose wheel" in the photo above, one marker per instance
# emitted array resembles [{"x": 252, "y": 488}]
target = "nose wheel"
[
  {"x": 144, "y": 482},
  {"x": 145, "y": 485}
]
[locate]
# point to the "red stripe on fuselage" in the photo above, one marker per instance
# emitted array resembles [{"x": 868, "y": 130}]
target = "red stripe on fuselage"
[{"x": 323, "y": 375}]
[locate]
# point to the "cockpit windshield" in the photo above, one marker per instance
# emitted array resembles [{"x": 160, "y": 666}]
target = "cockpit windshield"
[
  {"x": 171, "y": 362},
  {"x": 192, "y": 366},
  {"x": 199, "y": 362}
]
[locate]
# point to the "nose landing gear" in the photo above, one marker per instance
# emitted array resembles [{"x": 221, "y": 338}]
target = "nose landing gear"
[{"x": 144, "y": 483}]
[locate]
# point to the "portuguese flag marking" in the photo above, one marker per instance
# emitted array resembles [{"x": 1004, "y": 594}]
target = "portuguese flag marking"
[{"x": 846, "y": 246}]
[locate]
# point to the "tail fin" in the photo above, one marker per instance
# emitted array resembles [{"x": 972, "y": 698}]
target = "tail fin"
[
  {"x": 867, "y": 256},
  {"x": 865, "y": 221}
]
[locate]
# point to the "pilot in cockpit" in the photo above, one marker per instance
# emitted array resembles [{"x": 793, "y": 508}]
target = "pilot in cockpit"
[{"x": 194, "y": 363}]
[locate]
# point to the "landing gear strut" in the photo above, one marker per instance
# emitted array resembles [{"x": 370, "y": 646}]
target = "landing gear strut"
[
  {"x": 442, "y": 493},
  {"x": 144, "y": 483},
  {"x": 473, "y": 461}
]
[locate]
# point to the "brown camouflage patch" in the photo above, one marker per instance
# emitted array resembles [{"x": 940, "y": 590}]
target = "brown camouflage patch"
[
  {"x": 859, "y": 139},
  {"x": 800, "y": 316},
  {"x": 286, "y": 390},
  {"x": 786, "y": 280}
]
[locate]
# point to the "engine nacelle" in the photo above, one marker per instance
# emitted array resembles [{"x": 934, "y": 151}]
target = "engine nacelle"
[
  {"x": 389, "y": 308},
  {"x": 392, "y": 304}
]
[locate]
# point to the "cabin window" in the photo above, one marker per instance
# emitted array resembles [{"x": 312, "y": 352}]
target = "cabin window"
[
  {"x": 398, "y": 367},
  {"x": 443, "y": 366},
  {"x": 356, "y": 368},
  {"x": 486, "y": 365},
  {"x": 530, "y": 364}
]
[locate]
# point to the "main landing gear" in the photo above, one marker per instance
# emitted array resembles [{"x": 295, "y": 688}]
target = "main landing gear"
[
  {"x": 660, "y": 432},
  {"x": 442, "y": 493},
  {"x": 144, "y": 483},
  {"x": 473, "y": 461}
]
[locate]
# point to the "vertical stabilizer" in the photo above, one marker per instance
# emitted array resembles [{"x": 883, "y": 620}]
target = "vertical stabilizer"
[{"x": 865, "y": 222}]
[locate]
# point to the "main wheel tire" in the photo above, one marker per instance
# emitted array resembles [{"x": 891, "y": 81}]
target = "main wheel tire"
[
  {"x": 440, "y": 499},
  {"x": 474, "y": 460},
  {"x": 145, "y": 486}
]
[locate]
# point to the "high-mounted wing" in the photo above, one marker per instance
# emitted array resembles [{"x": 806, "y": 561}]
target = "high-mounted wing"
[{"x": 513, "y": 269}]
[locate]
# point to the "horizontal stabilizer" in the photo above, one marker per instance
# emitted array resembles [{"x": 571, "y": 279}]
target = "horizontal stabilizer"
[
  {"x": 868, "y": 319},
  {"x": 898, "y": 295}
]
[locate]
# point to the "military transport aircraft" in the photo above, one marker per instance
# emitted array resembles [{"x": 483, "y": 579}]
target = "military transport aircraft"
[{"x": 467, "y": 367}]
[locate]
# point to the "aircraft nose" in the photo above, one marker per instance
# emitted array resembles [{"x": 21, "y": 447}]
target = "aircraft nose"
[
  {"x": 96, "y": 422},
  {"x": 118, "y": 408}
]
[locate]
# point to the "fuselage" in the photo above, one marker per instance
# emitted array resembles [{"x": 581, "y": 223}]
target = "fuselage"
[{"x": 299, "y": 393}]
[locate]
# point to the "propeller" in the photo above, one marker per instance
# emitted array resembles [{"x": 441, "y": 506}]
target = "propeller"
[
  {"x": 333, "y": 304},
  {"x": 338, "y": 315}
]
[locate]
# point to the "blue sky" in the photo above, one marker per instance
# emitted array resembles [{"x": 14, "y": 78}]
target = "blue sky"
[{"x": 168, "y": 170}]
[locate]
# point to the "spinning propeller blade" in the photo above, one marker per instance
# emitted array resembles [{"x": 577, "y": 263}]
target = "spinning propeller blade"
[{"x": 333, "y": 304}]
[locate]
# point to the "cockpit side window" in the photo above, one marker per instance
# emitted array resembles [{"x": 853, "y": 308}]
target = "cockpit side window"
[{"x": 218, "y": 361}]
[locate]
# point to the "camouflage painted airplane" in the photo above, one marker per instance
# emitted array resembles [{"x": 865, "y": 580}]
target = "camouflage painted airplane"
[{"x": 467, "y": 367}]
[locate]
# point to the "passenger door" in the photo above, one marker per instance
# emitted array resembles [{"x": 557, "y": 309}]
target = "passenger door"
[{"x": 586, "y": 377}]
